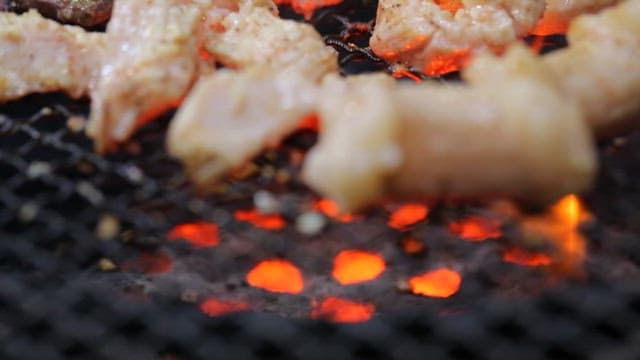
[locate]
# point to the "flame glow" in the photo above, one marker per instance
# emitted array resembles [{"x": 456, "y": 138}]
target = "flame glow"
[
  {"x": 331, "y": 209},
  {"x": 440, "y": 283},
  {"x": 150, "y": 263},
  {"x": 340, "y": 310},
  {"x": 307, "y": 7},
  {"x": 450, "y": 5},
  {"x": 413, "y": 246},
  {"x": 355, "y": 266},
  {"x": 264, "y": 221},
  {"x": 214, "y": 307},
  {"x": 407, "y": 215},
  {"x": 447, "y": 63},
  {"x": 560, "y": 226},
  {"x": 525, "y": 258},
  {"x": 476, "y": 228},
  {"x": 276, "y": 275},
  {"x": 201, "y": 234},
  {"x": 550, "y": 24}
]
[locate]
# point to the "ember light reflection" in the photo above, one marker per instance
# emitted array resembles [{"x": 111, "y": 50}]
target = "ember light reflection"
[
  {"x": 340, "y": 310},
  {"x": 476, "y": 228},
  {"x": 150, "y": 263},
  {"x": 214, "y": 307},
  {"x": 407, "y": 215},
  {"x": 307, "y": 7},
  {"x": 331, "y": 209},
  {"x": 276, "y": 275},
  {"x": 201, "y": 234},
  {"x": 526, "y": 258},
  {"x": 257, "y": 219},
  {"x": 560, "y": 227},
  {"x": 450, "y": 5},
  {"x": 439, "y": 283},
  {"x": 356, "y": 266}
]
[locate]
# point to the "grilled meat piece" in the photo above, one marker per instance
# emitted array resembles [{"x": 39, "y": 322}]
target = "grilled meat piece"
[
  {"x": 39, "y": 55},
  {"x": 600, "y": 69},
  {"x": 254, "y": 36},
  {"x": 152, "y": 63},
  {"x": 559, "y": 14},
  {"x": 359, "y": 145},
  {"x": 428, "y": 38},
  {"x": 85, "y": 13},
  {"x": 231, "y": 116},
  {"x": 513, "y": 135}
]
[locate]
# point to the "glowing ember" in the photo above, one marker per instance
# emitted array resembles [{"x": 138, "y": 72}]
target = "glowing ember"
[
  {"x": 447, "y": 63},
  {"x": 331, "y": 209},
  {"x": 150, "y": 263},
  {"x": 201, "y": 234},
  {"x": 310, "y": 122},
  {"x": 550, "y": 24},
  {"x": 450, "y": 5},
  {"x": 440, "y": 283},
  {"x": 525, "y": 258},
  {"x": 276, "y": 275},
  {"x": 413, "y": 246},
  {"x": 340, "y": 310},
  {"x": 307, "y": 7},
  {"x": 403, "y": 72},
  {"x": 264, "y": 221},
  {"x": 355, "y": 266},
  {"x": 476, "y": 228},
  {"x": 215, "y": 307},
  {"x": 407, "y": 215}
]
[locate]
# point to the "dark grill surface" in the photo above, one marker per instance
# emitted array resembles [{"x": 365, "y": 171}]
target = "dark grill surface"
[{"x": 61, "y": 298}]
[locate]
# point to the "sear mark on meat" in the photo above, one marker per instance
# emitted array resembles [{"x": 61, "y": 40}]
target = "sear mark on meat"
[{"x": 86, "y": 13}]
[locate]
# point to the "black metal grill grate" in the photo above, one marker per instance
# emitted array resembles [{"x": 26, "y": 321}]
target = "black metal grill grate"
[{"x": 56, "y": 302}]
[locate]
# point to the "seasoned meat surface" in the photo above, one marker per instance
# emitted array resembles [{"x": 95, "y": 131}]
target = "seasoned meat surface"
[
  {"x": 255, "y": 36},
  {"x": 39, "y": 55},
  {"x": 151, "y": 63},
  {"x": 85, "y": 13},
  {"x": 429, "y": 38}
]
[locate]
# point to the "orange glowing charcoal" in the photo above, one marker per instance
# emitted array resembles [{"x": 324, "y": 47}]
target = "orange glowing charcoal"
[
  {"x": 476, "y": 228},
  {"x": 276, "y": 275},
  {"x": 264, "y": 221},
  {"x": 331, "y": 209},
  {"x": 526, "y": 258},
  {"x": 340, "y": 310},
  {"x": 450, "y": 5},
  {"x": 200, "y": 234},
  {"x": 551, "y": 24},
  {"x": 440, "y": 283},
  {"x": 214, "y": 307},
  {"x": 310, "y": 122},
  {"x": 407, "y": 215},
  {"x": 413, "y": 246},
  {"x": 356, "y": 266},
  {"x": 447, "y": 63},
  {"x": 402, "y": 73},
  {"x": 150, "y": 263},
  {"x": 307, "y": 7}
]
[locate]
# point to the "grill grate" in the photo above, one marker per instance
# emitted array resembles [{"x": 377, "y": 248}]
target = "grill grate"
[{"x": 57, "y": 302}]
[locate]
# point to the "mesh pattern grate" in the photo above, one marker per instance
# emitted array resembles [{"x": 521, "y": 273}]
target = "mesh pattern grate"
[{"x": 55, "y": 303}]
